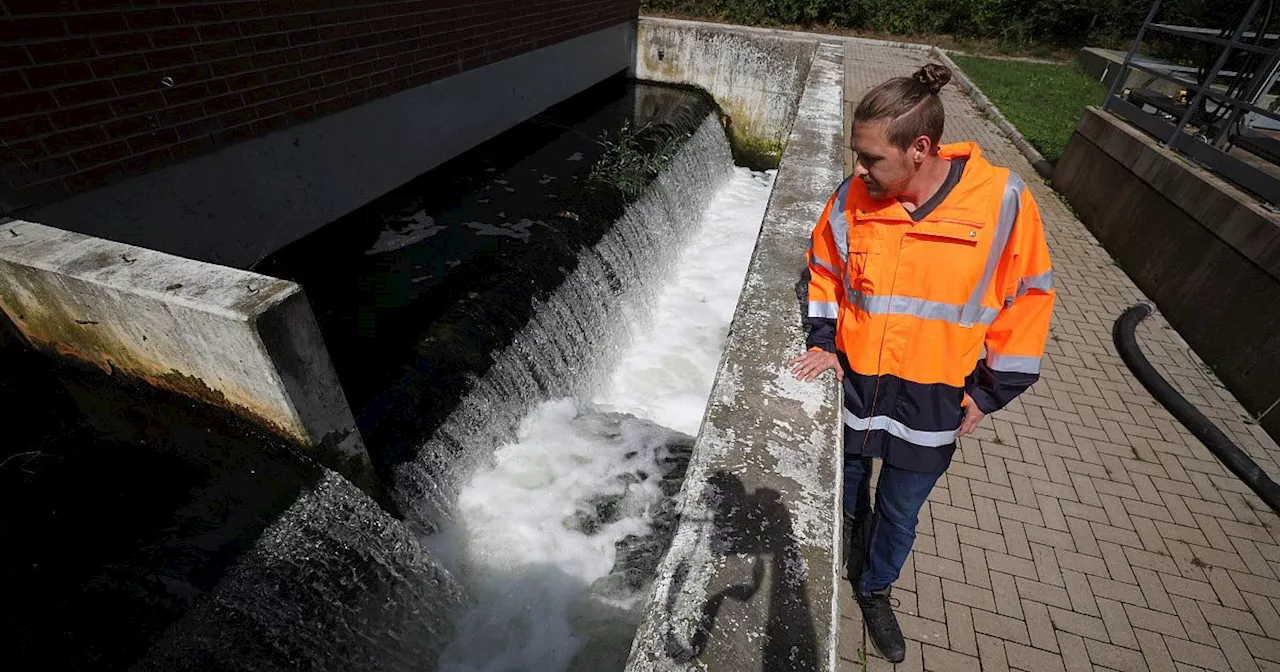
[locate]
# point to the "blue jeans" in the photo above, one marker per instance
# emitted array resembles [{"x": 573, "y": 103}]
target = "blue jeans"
[{"x": 899, "y": 496}]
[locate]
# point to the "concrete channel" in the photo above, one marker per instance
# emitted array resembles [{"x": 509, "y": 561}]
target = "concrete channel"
[{"x": 751, "y": 579}]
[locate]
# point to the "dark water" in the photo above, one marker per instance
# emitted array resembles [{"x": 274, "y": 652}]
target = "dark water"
[
  {"x": 467, "y": 253},
  {"x": 119, "y": 507},
  {"x": 143, "y": 531}
]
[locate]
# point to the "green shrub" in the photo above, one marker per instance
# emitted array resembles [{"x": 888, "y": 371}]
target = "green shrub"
[{"x": 1061, "y": 22}]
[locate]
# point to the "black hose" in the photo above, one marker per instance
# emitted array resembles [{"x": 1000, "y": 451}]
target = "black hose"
[{"x": 1213, "y": 438}]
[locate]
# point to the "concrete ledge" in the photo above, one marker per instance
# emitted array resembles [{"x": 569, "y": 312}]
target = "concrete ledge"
[
  {"x": 241, "y": 203},
  {"x": 233, "y": 339},
  {"x": 751, "y": 578},
  {"x": 708, "y": 77},
  {"x": 756, "y": 77},
  {"x": 1230, "y": 213},
  {"x": 1208, "y": 254}
]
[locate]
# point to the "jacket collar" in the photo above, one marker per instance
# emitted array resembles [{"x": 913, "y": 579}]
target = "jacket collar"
[{"x": 959, "y": 205}]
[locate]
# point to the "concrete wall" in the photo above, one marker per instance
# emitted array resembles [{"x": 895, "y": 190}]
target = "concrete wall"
[
  {"x": 750, "y": 580},
  {"x": 238, "y": 204},
  {"x": 234, "y": 339},
  {"x": 95, "y": 92},
  {"x": 756, "y": 78},
  {"x": 1206, "y": 252}
]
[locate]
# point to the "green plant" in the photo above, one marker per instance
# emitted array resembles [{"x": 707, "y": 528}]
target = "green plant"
[{"x": 635, "y": 156}]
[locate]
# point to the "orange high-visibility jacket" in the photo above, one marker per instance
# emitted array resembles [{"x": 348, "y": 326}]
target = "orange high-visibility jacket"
[{"x": 922, "y": 312}]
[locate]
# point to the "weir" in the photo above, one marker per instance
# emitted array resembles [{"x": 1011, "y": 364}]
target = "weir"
[{"x": 527, "y": 338}]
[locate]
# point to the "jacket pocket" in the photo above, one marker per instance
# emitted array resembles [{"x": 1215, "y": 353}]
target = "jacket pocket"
[{"x": 864, "y": 262}]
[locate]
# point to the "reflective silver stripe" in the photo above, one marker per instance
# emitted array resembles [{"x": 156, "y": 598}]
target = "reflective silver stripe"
[
  {"x": 1013, "y": 363},
  {"x": 827, "y": 309},
  {"x": 840, "y": 225},
  {"x": 815, "y": 259},
  {"x": 916, "y": 436},
  {"x": 1042, "y": 282},
  {"x": 921, "y": 308},
  {"x": 1009, "y": 207}
]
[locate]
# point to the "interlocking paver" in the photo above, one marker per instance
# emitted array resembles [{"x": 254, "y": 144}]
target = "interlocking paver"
[{"x": 1083, "y": 528}]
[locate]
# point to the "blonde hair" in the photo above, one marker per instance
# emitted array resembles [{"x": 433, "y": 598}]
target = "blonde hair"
[{"x": 910, "y": 104}]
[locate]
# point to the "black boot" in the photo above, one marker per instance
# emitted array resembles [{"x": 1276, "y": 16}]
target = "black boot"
[{"x": 882, "y": 625}]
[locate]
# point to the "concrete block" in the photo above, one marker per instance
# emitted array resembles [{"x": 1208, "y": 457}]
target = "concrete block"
[
  {"x": 751, "y": 577},
  {"x": 239, "y": 204},
  {"x": 237, "y": 340},
  {"x": 1200, "y": 248},
  {"x": 756, "y": 78}
]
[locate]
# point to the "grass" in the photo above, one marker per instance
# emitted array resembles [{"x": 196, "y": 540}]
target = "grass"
[{"x": 1043, "y": 100}]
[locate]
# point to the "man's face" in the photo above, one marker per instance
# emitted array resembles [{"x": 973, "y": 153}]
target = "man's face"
[{"x": 885, "y": 169}]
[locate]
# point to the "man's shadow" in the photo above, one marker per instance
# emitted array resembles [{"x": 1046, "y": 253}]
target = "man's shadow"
[{"x": 756, "y": 524}]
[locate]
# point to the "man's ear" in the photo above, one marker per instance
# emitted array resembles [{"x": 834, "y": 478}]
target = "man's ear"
[{"x": 921, "y": 148}]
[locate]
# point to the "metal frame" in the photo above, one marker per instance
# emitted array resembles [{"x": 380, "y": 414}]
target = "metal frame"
[{"x": 1174, "y": 136}]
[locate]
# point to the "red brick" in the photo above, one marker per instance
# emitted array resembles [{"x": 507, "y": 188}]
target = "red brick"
[
  {"x": 304, "y": 37},
  {"x": 139, "y": 83},
  {"x": 181, "y": 116},
  {"x": 269, "y": 42},
  {"x": 219, "y": 31},
  {"x": 172, "y": 37},
  {"x": 119, "y": 65},
  {"x": 39, "y": 6},
  {"x": 87, "y": 92},
  {"x": 81, "y": 116},
  {"x": 186, "y": 94},
  {"x": 12, "y": 81},
  {"x": 260, "y": 95},
  {"x": 221, "y": 104},
  {"x": 121, "y": 44},
  {"x": 151, "y": 19},
  {"x": 26, "y": 127},
  {"x": 240, "y": 10},
  {"x": 159, "y": 60},
  {"x": 13, "y": 57},
  {"x": 125, "y": 128},
  {"x": 34, "y": 28},
  {"x": 67, "y": 142},
  {"x": 147, "y": 102},
  {"x": 262, "y": 26},
  {"x": 95, "y": 24},
  {"x": 198, "y": 14},
  {"x": 22, "y": 104},
  {"x": 214, "y": 51},
  {"x": 28, "y": 151},
  {"x": 45, "y": 53},
  {"x": 277, "y": 6},
  {"x": 246, "y": 80},
  {"x": 146, "y": 142}
]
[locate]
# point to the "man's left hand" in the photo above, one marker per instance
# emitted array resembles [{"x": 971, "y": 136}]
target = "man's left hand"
[{"x": 972, "y": 417}]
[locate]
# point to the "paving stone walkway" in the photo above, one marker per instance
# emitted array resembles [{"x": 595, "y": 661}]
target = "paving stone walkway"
[{"x": 1083, "y": 528}]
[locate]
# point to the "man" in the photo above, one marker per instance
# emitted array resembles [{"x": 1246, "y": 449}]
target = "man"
[{"x": 930, "y": 295}]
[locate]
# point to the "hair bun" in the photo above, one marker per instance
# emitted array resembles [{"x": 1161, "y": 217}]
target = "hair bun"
[{"x": 933, "y": 76}]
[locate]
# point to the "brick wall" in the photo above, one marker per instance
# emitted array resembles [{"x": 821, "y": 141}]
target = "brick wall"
[{"x": 93, "y": 91}]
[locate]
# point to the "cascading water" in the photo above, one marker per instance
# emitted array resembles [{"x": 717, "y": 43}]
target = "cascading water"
[
  {"x": 575, "y": 336},
  {"x": 561, "y": 535},
  {"x": 528, "y": 361}
]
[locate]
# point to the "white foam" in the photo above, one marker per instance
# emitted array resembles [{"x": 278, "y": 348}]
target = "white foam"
[{"x": 530, "y": 575}]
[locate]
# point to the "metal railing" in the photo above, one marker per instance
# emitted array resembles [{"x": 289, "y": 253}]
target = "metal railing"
[{"x": 1214, "y": 120}]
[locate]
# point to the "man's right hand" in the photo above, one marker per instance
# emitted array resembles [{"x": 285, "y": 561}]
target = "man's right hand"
[{"x": 810, "y": 365}]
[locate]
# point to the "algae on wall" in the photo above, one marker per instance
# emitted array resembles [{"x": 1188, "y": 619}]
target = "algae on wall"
[{"x": 756, "y": 79}]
